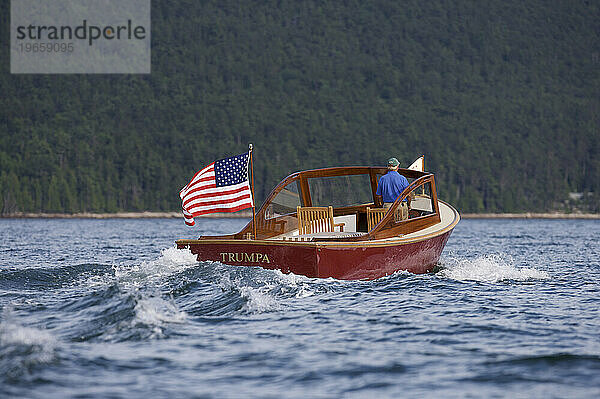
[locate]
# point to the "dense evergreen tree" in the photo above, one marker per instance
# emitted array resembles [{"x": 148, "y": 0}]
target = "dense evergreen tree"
[{"x": 502, "y": 97}]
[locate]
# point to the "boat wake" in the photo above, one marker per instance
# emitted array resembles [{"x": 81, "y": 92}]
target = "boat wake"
[
  {"x": 168, "y": 295},
  {"x": 176, "y": 285},
  {"x": 489, "y": 269},
  {"x": 150, "y": 299}
]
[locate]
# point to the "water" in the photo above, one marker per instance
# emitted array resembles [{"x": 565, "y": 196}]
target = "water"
[{"x": 110, "y": 309}]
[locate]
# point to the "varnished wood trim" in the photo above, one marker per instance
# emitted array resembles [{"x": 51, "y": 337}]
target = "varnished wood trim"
[{"x": 305, "y": 194}]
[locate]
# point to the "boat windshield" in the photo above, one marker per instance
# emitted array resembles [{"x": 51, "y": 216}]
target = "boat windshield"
[
  {"x": 285, "y": 202},
  {"x": 340, "y": 190},
  {"x": 421, "y": 200}
]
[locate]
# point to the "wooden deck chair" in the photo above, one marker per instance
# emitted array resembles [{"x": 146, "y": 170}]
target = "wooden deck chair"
[
  {"x": 316, "y": 219},
  {"x": 374, "y": 216}
]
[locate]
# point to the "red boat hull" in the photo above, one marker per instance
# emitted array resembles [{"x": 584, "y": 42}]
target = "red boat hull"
[{"x": 344, "y": 261}]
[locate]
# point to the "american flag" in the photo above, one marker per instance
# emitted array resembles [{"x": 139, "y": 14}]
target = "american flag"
[{"x": 222, "y": 186}]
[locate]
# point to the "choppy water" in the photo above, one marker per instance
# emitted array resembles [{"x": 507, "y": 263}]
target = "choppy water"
[{"x": 110, "y": 309}]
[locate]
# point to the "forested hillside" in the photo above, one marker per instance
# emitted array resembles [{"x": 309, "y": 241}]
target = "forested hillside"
[{"x": 503, "y": 98}]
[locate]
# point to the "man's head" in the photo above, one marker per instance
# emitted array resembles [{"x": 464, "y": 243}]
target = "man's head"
[{"x": 393, "y": 164}]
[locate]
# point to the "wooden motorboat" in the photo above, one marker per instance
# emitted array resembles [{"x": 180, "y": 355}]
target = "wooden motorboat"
[{"x": 329, "y": 223}]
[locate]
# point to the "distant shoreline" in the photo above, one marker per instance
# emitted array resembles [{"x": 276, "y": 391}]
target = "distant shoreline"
[
  {"x": 247, "y": 215},
  {"x": 530, "y": 215},
  {"x": 120, "y": 215}
]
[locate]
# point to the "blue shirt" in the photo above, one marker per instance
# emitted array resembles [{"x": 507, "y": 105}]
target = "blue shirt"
[{"x": 391, "y": 185}]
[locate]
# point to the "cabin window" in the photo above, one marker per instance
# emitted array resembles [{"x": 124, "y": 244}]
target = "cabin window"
[
  {"x": 340, "y": 190},
  {"x": 285, "y": 202}
]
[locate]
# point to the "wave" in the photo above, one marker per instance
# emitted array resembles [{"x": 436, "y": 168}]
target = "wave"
[
  {"x": 156, "y": 312},
  {"x": 560, "y": 358},
  {"x": 171, "y": 261},
  {"x": 149, "y": 299},
  {"x": 23, "y": 348},
  {"x": 49, "y": 278},
  {"x": 234, "y": 290},
  {"x": 211, "y": 288},
  {"x": 580, "y": 370},
  {"x": 112, "y": 315},
  {"x": 126, "y": 303},
  {"x": 254, "y": 298},
  {"x": 488, "y": 268}
]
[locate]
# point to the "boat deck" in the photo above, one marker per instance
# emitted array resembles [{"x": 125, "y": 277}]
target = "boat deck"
[{"x": 449, "y": 218}]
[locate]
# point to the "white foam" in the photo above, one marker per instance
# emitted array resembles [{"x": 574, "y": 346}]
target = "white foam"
[
  {"x": 290, "y": 278},
  {"x": 179, "y": 257},
  {"x": 43, "y": 344},
  {"x": 489, "y": 268},
  {"x": 144, "y": 280},
  {"x": 171, "y": 260},
  {"x": 257, "y": 301},
  {"x": 296, "y": 282},
  {"x": 304, "y": 292},
  {"x": 155, "y": 312}
]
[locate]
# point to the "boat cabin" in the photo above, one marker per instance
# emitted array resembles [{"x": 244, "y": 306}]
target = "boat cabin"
[{"x": 340, "y": 204}]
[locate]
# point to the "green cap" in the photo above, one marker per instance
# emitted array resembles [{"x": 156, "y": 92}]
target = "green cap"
[{"x": 393, "y": 162}]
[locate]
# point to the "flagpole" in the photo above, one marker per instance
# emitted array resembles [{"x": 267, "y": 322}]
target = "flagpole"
[{"x": 253, "y": 198}]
